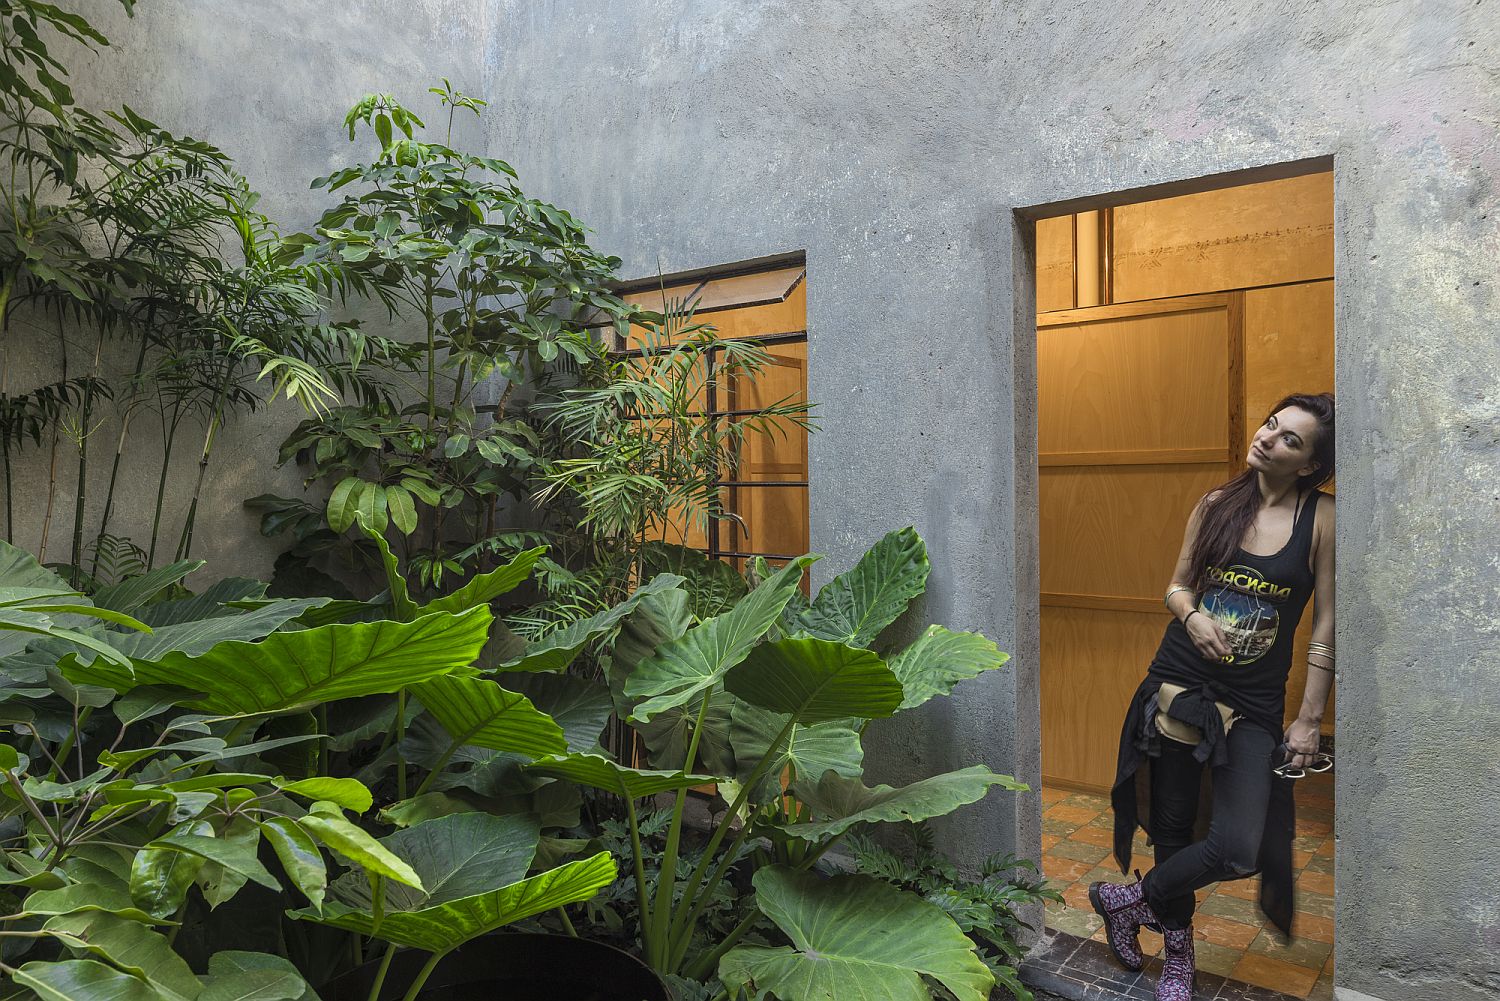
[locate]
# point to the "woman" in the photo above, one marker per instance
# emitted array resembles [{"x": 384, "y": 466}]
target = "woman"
[{"x": 1205, "y": 725}]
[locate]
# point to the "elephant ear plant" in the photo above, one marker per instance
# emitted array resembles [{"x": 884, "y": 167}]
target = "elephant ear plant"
[
  {"x": 770, "y": 699},
  {"x": 157, "y": 774}
]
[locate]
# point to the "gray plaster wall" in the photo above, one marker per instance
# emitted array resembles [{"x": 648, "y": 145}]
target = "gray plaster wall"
[
  {"x": 269, "y": 83},
  {"x": 894, "y": 140}
]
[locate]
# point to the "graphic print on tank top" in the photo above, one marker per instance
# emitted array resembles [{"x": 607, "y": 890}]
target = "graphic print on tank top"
[{"x": 1246, "y": 607}]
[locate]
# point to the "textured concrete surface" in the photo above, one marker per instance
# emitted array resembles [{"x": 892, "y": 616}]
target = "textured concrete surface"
[
  {"x": 269, "y": 84},
  {"x": 894, "y": 142}
]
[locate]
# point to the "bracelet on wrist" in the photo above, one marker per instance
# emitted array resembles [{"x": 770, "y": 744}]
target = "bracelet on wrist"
[{"x": 1189, "y": 615}]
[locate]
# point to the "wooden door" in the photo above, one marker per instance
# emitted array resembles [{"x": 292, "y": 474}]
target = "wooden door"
[{"x": 1139, "y": 416}]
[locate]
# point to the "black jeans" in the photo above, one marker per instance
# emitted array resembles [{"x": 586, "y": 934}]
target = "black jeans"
[{"x": 1241, "y": 791}]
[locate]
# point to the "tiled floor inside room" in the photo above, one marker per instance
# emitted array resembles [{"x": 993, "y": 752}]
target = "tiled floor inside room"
[{"x": 1231, "y": 938}]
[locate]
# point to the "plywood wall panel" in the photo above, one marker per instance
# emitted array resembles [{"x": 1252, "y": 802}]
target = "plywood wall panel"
[
  {"x": 1092, "y": 662},
  {"x": 1288, "y": 346},
  {"x": 1259, "y": 234},
  {"x": 1054, "y": 263},
  {"x": 1116, "y": 530},
  {"x": 1129, "y": 383}
]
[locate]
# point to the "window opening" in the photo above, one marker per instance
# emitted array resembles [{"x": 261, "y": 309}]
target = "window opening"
[{"x": 765, "y": 498}]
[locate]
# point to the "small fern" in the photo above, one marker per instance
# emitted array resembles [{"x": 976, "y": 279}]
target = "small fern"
[{"x": 985, "y": 909}]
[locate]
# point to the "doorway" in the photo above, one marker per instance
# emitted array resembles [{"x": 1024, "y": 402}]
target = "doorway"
[{"x": 1166, "y": 329}]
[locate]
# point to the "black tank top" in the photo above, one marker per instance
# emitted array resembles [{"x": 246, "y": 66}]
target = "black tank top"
[{"x": 1257, "y": 602}]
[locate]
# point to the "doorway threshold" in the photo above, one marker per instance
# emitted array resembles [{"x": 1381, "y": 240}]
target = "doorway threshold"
[{"x": 1079, "y": 969}]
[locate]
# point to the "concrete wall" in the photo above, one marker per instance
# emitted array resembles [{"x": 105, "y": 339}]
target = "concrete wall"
[
  {"x": 893, "y": 140},
  {"x": 269, "y": 84}
]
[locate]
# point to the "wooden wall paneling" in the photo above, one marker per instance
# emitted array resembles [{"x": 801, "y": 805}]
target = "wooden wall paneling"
[
  {"x": 1257, "y": 234},
  {"x": 1092, "y": 662},
  {"x": 1116, "y": 530},
  {"x": 1118, "y": 310},
  {"x": 1054, "y": 263},
  {"x": 1107, "y": 254},
  {"x": 1235, "y": 323},
  {"x": 1118, "y": 385},
  {"x": 773, "y": 318},
  {"x": 1086, "y": 271},
  {"x": 1135, "y": 457},
  {"x": 1288, "y": 346}
]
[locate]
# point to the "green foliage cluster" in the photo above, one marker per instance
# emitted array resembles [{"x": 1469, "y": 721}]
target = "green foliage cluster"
[
  {"x": 501, "y": 288},
  {"x": 224, "y": 793},
  {"x": 320, "y": 783},
  {"x": 117, "y": 235},
  {"x": 985, "y": 907},
  {"x": 173, "y": 758}
]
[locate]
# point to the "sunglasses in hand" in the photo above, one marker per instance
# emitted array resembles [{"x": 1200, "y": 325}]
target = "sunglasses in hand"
[{"x": 1320, "y": 763}]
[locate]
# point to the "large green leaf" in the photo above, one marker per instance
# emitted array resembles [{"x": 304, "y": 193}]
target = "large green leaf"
[
  {"x": 656, "y": 621},
  {"x": 854, "y": 607},
  {"x": 209, "y": 603},
  {"x": 29, "y": 616},
  {"x": 853, "y": 937},
  {"x": 201, "y": 635},
  {"x": 843, "y": 801},
  {"x": 488, "y": 586},
  {"x": 299, "y": 856},
  {"x": 312, "y": 665},
  {"x": 133, "y": 592},
  {"x": 712, "y": 585},
  {"x": 816, "y": 681},
  {"x": 18, "y": 568},
  {"x": 79, "y": 898},
  {"x": 234, "y": 854},
  {"x": 557, "y": 650},
  {"x": 458, "y": 855},
  {"x": 601, "y": 773},
  {"x": 940, "y": 659},
  {"x": 668, "y": 733},
  {"x": 581, "y": 708},
  {"x": 255, "y": 985},
  {"x": 452, "y": 923},
  {"x": 683, "y": 669},
  {"x": 480, "y": 712},
  {"x": 160, "y": 877},
  {"x": 83, "y": 980},
  {"x": 327, "y": 824},
  {"x": 231, "y": 963},
  {"x": 132, "y": 947},
  {"x": 809, "y": 750}
]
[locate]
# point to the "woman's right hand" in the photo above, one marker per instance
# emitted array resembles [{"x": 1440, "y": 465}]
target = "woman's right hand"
[{"x": 1207, "y": 637}]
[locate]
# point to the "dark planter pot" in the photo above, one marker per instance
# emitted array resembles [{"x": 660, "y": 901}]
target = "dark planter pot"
[{"x": 513, "y": 967}]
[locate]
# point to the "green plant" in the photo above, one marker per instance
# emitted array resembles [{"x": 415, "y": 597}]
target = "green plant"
[
  {"x": 984, "y": 908},
  {"x": 500, "y": 285},
  {"x": 115, "y": 229},
  {"x": 644, "y": 461},
  {"x": 769, "y": 699},
  {"x": 146, "y": 767}
]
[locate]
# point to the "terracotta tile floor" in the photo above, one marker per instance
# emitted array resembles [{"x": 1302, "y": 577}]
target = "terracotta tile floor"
[{"x": 1232, "y": 939}]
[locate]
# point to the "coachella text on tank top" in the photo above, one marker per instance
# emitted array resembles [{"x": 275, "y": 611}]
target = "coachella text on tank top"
[{"x": 1257, "y": 602}]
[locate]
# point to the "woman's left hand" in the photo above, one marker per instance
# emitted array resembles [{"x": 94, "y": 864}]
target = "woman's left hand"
[{"x": 1302, "y": 738}]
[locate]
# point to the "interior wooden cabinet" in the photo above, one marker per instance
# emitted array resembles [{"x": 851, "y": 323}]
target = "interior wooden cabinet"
[{"x": 1166, "y": 330}]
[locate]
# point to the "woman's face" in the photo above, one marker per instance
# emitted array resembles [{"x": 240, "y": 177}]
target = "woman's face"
[{"x": 1283, "y": 446}]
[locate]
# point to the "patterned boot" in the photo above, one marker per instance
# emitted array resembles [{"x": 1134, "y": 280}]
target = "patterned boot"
[
  {"x": 1124, "y": 910},
  {"x": 1176, "y": 980}
]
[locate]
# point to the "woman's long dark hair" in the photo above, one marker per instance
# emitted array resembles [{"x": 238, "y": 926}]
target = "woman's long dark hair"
[{"x": 1227, "y": 517}]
